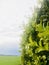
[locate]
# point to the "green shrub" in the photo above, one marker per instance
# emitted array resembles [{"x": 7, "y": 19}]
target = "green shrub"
[{"x": 35, "y": 40}]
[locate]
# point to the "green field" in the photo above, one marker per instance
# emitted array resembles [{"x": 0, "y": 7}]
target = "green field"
[{"x": 10, "y": 60}]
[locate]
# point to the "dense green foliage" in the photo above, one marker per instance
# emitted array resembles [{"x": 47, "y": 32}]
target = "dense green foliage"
[
  {"x": 35, "y": 40},
  {"x": 10, "y": 60}
]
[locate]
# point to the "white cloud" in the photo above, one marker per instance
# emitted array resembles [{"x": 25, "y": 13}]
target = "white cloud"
[{"x": 13, "y": 13}]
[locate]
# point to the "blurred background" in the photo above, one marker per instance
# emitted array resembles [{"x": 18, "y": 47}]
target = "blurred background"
[{"x": 14, "y": 14}]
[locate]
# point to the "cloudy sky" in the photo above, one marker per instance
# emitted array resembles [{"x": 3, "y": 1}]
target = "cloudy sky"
[{"x": 13, "y": 15}]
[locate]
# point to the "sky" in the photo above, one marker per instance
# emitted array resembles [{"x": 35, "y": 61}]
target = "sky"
[{"x": 13, "y": 15}]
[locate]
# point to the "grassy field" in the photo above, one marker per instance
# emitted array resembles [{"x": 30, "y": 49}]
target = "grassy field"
[{"x": 10, "y": 60}]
